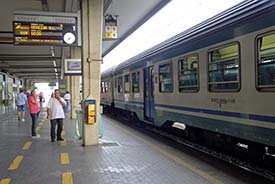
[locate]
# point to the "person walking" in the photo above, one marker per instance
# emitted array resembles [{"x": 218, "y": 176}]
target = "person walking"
[
  {"x": 21, "y": 103},
  {"x": 34, "y": 112},
  {"x": 67, "y": 98},
  {"x": 41, "y": 97},
  {"x": 56, "y": 115}
]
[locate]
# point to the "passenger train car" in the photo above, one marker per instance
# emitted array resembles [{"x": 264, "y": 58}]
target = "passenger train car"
[
  {"x": 214, "y": 82},
  {"x": 9, "y": 88}
]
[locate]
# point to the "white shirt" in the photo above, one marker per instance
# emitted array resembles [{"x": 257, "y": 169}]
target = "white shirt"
[
  {"x": 67, "y": 96},
  {"x": 56, "y": 109}
]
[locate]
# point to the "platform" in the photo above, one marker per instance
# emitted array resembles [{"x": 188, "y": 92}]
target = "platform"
[{"x": 124, "y": 156}]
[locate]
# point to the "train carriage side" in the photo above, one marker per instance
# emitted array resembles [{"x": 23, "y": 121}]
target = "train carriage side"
[
  {"x": 3, "y": 89},
  {"x": 225, "y": 87},
  {"x": 107, "y": 90},
  {"x": 128, "y": 92},
  {"x": 187, "y": 91},
  {"x": 214, "y": 81}
]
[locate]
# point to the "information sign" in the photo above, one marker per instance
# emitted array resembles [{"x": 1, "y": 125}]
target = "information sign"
[
  {"x": 44, "y": 33},
  {"x": 46, "y": 28}
]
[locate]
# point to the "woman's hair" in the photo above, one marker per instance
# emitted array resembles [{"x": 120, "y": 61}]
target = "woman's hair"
[{"x": 32, "y": 91}]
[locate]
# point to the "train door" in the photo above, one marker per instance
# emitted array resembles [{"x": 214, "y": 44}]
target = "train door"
[{"x": 149, "y": 105}]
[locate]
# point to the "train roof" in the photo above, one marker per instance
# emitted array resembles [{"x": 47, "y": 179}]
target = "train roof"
[
  {"x": 108, "y": 72},
  {"x": 230, "y": 17}
]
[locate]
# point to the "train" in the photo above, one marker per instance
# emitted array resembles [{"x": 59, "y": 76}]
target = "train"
[
  {"x": 9, "y": 88},
  {"x": 213, "y": 83}
]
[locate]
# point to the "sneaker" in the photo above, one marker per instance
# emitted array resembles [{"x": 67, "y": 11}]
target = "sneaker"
[
  {"x": 36, "y": 136},
  {"x": 60, "y": 139},
  {"x": 23, "y": 120},
  {"x": 52, "y": 140}
]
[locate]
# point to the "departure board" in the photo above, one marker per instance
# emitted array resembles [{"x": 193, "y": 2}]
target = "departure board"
[{"x": 29, "y": 33}]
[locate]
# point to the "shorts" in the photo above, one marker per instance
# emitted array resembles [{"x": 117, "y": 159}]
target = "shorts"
[{"x": 21, "y": 108}]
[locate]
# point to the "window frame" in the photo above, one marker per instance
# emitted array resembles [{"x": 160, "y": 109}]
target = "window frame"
[
  {"x": 198, "y": 73},
  {"x": 261, "y": 89},
  {"x": 136, "y": 72},
  {"x": 102, "y": 87},
  {"x": 239, "y": 67},
  {"x": 129, "y": 81},
  {"x": 122, "y": 88},
  {"x": 172, "y": 77}
]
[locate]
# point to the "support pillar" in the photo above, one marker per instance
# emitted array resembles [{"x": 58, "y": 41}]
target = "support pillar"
[
  {"x": 68, "y": 82},
  {"x": 75, "y": 85},
  {"x": 26, "y": 84},
  {"x": 92, "y": 21},
  {"x": 32, "y": 85}
]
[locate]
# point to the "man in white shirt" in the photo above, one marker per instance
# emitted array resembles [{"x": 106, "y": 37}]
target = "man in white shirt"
[
  {"x": 56, "y": 114},
  {"x": 67, "y": 98}
]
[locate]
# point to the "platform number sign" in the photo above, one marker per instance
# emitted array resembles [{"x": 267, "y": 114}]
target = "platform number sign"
[{"x": 110, "y": 27}]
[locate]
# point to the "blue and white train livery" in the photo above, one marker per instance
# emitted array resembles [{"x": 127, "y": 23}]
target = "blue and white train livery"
[{"x": 213, "y": 81}]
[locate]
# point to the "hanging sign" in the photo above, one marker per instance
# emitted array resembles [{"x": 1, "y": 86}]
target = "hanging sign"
[
  {"x": 110, "y": 27},
  {"x": 38, "y": 28}
]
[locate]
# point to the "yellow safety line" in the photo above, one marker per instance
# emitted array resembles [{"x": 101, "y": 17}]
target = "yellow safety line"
[
  {"x": 27, "y": 145},
  {"x": 5, "y": 181},
  {"x": 63, "y": 133},
  {"x": 63, "y": 143},
  {"x": 169, "y": 155},
  {"x": 16, "y": 162},
  {"x": 67, "y": 178},
  {"x": 64, "y": 158}
]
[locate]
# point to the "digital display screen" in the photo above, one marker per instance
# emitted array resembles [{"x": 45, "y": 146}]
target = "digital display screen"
[
  {"x": 44, "y": 33},
  {"x": 72, "y": 66}
]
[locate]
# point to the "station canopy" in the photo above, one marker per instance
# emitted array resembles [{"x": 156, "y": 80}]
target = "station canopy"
[{"x": 44, "y": 63}]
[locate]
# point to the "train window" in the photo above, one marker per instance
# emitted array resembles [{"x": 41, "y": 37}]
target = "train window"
[
  {"x": 188, "y": 74},
  {"x": 106, "y": 87},
  {"x": 102, "y": 87},
  {"x": 165, "y": 78},
  {"x": 126, "y": 84},
  {"x": 266, "y": 62},
  {"x": 223, "y": 68},
  {"x": 135, "y": 82},
  {"x": 120, "y": 84}
]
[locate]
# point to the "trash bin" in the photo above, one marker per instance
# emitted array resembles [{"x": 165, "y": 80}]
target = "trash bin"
[
  {"x": 79, "y": 125},
  {"x": 100, "y": 126}
]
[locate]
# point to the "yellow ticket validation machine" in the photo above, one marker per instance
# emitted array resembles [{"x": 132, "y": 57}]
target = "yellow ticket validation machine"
[{"x": 90, "y": 111}]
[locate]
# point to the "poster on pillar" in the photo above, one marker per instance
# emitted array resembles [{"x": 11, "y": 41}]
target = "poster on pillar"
[{"x": 72, "y": 67}]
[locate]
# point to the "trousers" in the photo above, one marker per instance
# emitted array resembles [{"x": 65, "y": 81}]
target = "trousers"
[{"x": 59, "y": 123}]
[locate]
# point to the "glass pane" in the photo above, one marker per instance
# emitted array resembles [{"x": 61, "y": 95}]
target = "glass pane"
[
  {"x": 267, "y": 74},
  {"x": 165, "y": 78},
  {"x": 119, "y": 85},
  {"x": 224, "y": 68},
  {"x": 188, "y": 74},
  {"x": 126, "y": 84},
  {"x": 102, "y": 87},
  {"x": 266, "y": 62},
  {"x": 135, "y": 82}
]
